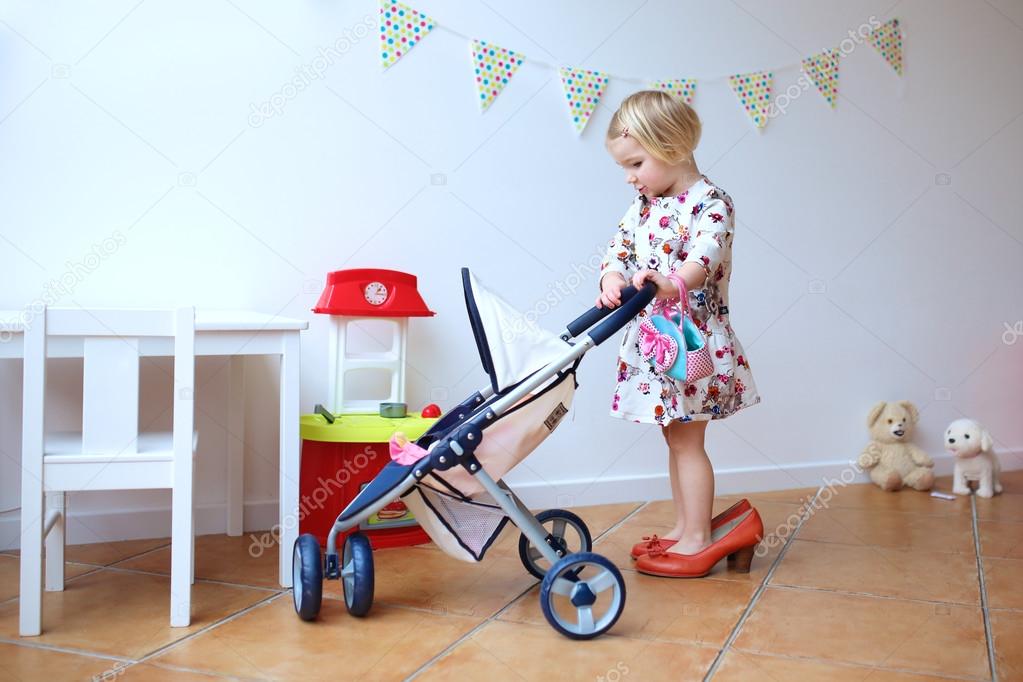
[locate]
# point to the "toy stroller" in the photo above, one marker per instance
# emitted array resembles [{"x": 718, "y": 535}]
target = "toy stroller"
[{"x": 452, "y": 481}]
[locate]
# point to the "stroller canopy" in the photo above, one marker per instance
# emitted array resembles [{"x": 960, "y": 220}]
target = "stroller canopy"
[{"x": 511, "y": 345}]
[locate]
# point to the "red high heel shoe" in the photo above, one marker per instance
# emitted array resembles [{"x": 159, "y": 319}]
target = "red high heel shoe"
[
  {"x": 737, "y": 539},
  {"x": 652, "y": 542}
]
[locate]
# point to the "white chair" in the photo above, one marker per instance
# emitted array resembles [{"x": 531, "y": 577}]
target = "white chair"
[{"x": 110, "y": 453}]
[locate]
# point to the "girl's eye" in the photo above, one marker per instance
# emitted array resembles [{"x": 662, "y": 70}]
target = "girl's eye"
[{"x": 636, "y": 165}]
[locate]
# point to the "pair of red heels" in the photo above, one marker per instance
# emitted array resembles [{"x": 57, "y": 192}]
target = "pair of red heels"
[{"x": 735, "y": 533}]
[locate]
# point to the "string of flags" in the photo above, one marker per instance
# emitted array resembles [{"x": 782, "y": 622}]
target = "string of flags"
[{"x": 403, "y": 27}]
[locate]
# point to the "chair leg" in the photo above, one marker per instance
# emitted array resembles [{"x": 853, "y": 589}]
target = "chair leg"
[
  {"x": 181, "y": 549},
  {"x": 56, "y": 502},
  {"x": 236, "y": 447},
  {"x": 31, "y": 583}
]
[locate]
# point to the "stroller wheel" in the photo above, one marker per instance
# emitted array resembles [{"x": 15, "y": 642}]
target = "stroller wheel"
[
  {"x": 307, "y": 577},
  {"x": 558, "y": 523},
  {"x": 582, "y": 595},
  {"x": 357, "y": 574}
]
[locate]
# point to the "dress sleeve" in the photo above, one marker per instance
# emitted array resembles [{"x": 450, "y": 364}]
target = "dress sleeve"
[
  {"x": 713, "y": 231},
  {"x": 621, "y": 250}
]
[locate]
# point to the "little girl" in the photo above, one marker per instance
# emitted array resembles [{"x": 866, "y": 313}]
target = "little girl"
[{"x": 681, "y": 224}]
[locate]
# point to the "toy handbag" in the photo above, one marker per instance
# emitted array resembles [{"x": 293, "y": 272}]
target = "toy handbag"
[{"x": 671, "y": 341}]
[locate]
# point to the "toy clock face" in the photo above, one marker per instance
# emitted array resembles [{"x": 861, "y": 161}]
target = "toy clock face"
[{"x": 375, "y": 293}]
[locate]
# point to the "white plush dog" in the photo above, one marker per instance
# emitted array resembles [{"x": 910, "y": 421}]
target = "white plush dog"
[{"x": 975, "y": 458}]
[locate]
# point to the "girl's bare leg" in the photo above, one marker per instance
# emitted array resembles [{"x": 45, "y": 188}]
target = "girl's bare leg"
[
  {"x": 676, "y": 493},
  {"x": 696, "y": 482}
]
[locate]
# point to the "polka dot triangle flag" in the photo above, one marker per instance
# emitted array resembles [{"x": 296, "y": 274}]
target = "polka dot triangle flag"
[
  {"x": 683, "y": 88},
  {"x": 822, "y": 68},
  {"x": 583, "y": 90},
  {"x": 754, "y": 91},
  {"x": 401, "y": 27},
  {"x": 494, "y": 68},
  {"x": 887, "y": 38}
]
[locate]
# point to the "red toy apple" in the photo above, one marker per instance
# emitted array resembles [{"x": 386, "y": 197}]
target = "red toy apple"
[{"x": 431, "y": 411}]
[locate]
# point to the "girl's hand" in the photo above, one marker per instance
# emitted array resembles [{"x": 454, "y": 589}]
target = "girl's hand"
[
  {"x": 611, "y": 286},
  {"x": 666, "y": 289}
]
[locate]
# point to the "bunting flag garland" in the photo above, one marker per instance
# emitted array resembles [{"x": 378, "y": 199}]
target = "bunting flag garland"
[
  {"x": 887, "y": 39},
  {"x": 583, "y": 89},
  {"x": 494, "y": 68},
  {"x": 401, "y": 27},
  {"x": 683, "y": 88},
  {"x": 822, "y": 68},
  {"x": 754, "y": 91}
]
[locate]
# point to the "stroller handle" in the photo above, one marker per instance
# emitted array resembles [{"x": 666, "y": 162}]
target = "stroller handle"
[{"x": 633, "y": 301}]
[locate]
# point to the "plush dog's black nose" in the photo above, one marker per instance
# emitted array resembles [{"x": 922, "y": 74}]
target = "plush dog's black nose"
[{"x": 951, "y": 440}]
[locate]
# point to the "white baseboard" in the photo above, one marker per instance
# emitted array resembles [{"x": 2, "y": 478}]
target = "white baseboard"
[
  {"x": 260, "y": 515},
  {"x": 726, "y": 481}
]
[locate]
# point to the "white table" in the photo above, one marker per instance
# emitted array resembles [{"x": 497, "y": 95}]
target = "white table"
[{"x": 234, "y": 334}]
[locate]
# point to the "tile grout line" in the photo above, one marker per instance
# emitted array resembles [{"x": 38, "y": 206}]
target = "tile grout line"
[
  {"x": 194, "y": 671},
  {"x": 93, "y": 568},
  {"x": 855, "y": 666},
  {"x": 136, "y": 555},
  {"x": 760, "y": 588},
  {"x": 139, "y": 555},
  {"x": 619, "y": 524},
  {"x": 66, "y": 650},
  {"x": 204, "y": 630},
  {"x": 487, "y": 621},
  {"x": 897, "y": 548},
  {"x": 493, "y": 617},
  {"x": 209, "y": 581},
  {"x": 128, "y": 661},
  {"x": 872, "y": 595},
  {"x": 984, "y": 608}
]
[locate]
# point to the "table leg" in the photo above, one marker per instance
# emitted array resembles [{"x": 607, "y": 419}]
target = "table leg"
[
  {"x": 236, "y": 446},
  {"x": 290, "y": 453}
]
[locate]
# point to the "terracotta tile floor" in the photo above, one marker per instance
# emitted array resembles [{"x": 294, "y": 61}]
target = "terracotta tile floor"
[{"x": 858, "y": 585}]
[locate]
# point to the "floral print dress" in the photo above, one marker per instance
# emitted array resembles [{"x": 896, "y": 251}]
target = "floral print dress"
[{"x": 662, "y": 233}]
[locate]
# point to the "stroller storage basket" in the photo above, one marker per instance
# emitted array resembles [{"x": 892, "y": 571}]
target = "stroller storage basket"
[{"x": 463, "y": 528}]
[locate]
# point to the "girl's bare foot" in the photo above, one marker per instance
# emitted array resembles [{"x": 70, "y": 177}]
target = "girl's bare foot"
[{"x": 690, "y": 546}]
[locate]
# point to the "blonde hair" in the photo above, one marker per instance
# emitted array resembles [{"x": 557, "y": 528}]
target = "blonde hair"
[{"x": 662, "y": 124}]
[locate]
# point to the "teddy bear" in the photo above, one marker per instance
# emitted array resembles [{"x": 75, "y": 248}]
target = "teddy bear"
[
  {"x": 892, "y": 460},
  {"x": 975, "y": 458}
]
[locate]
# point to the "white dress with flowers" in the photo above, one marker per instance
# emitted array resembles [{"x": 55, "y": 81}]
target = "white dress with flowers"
[{"x": 662, "y": 233}]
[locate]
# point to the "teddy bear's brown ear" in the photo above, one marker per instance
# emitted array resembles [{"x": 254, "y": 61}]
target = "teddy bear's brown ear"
[
  {"x": 914, "y": 415},
  {"x": 875, "y": 412}
]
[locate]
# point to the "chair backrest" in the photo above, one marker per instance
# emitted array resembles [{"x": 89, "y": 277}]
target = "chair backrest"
[{"x": 111, "y": 341}]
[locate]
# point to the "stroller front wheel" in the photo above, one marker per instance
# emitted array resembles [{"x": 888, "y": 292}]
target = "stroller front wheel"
[
  {"x": 557, "y": 523},
  {"x": 357, "y": 574},
  {"x": 307, "y": 576},
  {"x": 582, "y": 595}
]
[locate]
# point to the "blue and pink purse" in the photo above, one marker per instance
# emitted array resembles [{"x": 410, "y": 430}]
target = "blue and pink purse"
[{"x": 672, "y": 343}]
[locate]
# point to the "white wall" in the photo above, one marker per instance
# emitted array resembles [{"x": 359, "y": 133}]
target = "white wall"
[{"x": 860, "y": 274}]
